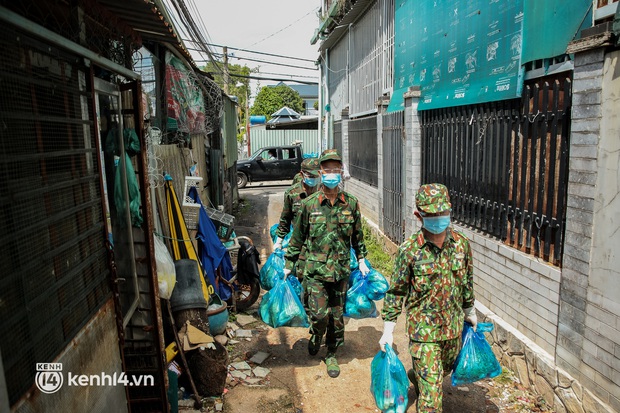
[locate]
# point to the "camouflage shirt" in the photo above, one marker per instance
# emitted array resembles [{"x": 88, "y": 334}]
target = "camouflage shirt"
[
  {"x": 297, "y": 178},
  {"x": 292, "y": 203},
  {"x": 435, "y": 285},
  {"x": 328, "y": 232}
]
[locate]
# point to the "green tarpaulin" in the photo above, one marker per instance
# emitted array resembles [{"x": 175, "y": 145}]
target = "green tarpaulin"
[{"x": 463, "y": 52}]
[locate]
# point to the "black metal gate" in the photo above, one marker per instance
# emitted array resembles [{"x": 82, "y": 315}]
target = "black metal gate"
[
  {"x": 393, "y": 136},
  {"x": 506, "y": 164},
  {"x": 363, "y": 159},
  {"x": 337, "y": 131}
]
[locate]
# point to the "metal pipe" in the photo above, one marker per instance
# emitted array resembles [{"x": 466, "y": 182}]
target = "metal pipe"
[{"x": 30, "y": 27}]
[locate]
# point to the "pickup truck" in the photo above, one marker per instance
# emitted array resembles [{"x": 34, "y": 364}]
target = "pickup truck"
[{"x": 271, "y": 163}]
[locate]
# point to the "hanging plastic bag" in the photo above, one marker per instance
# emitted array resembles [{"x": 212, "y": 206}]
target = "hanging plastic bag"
[
  {"x": 295, "y": 285},
  {"x": 388, "y": 381},
  {"x": 166, "y": 275},
  {"x": 281, "y": 307},
  {"x": 357, "y": 304},
  {"x": 274, "y": 237},
  {"x": 476, "y": 360},
  {"x": 377, "y": 285},
  {"x": 272, "y": 270},
  {"x": 353, "y": 264}
]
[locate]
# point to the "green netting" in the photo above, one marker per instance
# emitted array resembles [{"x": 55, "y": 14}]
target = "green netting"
[{"x": 548, "y": 26}]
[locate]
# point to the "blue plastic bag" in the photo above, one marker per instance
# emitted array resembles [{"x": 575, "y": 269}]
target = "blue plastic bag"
[
  {"x": 274, "y": 237},
  {"x": 353, "y": 264},
  {"x": 295, "y": 285},
  {"x": 357, "y": 304},
  {"x": 388, "y": 381},
  {"x": 282, "y": 307},
  {"x": 476, "y": 360},
  {"x": 272, "y": 270},
  {"x": 377, "y": 283}
]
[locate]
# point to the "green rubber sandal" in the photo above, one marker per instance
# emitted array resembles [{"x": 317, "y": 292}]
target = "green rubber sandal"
[{"x": 333, "y": 370}]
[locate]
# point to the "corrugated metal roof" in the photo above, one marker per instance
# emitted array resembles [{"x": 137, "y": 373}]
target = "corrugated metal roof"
[
  {"x": 357, "y": 10},
  {"x": 148, "y": 18}
]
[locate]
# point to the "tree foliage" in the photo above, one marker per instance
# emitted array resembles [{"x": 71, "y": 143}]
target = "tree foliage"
[{"x": 271, "y": 99}]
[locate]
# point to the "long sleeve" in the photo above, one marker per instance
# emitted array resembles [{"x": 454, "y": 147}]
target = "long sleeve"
[
  {"x": 399, "y": 287},
  {"x": 285, "y": 217},
  {"x": 298, "y": 238},
  {"x": 468, "y": 279},
  {"x": 357, "y": 239}
]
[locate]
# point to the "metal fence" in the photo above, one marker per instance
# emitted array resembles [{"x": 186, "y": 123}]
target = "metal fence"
[
  {"x": 363, "y": 159},
  {"x": 393, "y": 135},
  {"x": 506, "y": 165},
  {"x": 54, "y": 268},
  {"x": 337, "y": 131}
]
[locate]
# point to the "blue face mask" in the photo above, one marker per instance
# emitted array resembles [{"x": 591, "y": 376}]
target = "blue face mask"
[
  {"x": 436, "y": 225},
  {"x": 311, "y": 182},
  {"x": 330, "y": 180}
]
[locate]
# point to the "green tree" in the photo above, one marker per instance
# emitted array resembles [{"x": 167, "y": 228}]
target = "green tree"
[{"x": 270, "y": 99}]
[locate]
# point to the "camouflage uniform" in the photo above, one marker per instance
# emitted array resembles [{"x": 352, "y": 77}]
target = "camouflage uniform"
[
  {"x": 327, "y": 232},
  {"x": 297, "y": 178},
  {"x": 292, "y": 202},
  {"x": 435, "y": 284}
]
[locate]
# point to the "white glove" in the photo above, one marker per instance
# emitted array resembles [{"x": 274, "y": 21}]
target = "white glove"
[
  {"x": 471, "y": 317},
  {"x": 363, "y": 267},
  {"x": 278, "y": 244},
  {"x": 286, "y": 273},
  {"x": 388, "y": 334}
]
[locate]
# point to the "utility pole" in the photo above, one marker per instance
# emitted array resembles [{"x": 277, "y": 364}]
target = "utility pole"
[
  {"x": 226, "y": 77},
  {"x": 247, "y": 117}
]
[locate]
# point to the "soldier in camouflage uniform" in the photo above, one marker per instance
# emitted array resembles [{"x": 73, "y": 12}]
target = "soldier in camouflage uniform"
[
  {"x": 328, "y": 224},
  {"x": 292, "y": 202},
  {"x": 433, "y": 277}
]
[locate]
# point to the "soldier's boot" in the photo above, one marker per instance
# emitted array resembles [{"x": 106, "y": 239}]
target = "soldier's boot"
[
  {"x": 314, "y": 344},
  {"x": 333, "y": 369}
]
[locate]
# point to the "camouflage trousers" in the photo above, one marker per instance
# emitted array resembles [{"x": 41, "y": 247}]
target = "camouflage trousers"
[
  {"x": 326, "y": 308},
  {"x": 431, "y": 363}
]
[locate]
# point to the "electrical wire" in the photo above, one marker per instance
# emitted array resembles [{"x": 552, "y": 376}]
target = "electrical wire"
[
  {"x": 267, "y": 62},
  {"x": 284, "y": 28},
  {"x": 263, "y": 53}
]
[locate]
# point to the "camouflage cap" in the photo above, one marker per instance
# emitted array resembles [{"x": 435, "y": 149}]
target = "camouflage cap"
[
  {"x": 433, "y": 198},
  {"x": 330, "y": 155},
  {"x": 311, "y": 166}
]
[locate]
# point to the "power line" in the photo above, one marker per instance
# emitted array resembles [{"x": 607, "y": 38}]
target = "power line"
[
  {"x": 260, "y": 61},
  {"x": 305, "y": 82},
  {"x": 284, "y": 28},
  {"x": 263, "y": 53}
]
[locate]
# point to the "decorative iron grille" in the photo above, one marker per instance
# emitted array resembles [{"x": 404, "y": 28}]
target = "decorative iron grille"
[{"x": 506, "y": 165}]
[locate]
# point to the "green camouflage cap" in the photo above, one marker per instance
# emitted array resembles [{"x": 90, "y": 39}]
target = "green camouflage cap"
[
  {"x": 433, "y": 198},
  {"x": 311, "y": 166},
  {"x": 330, "y": 155}
]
